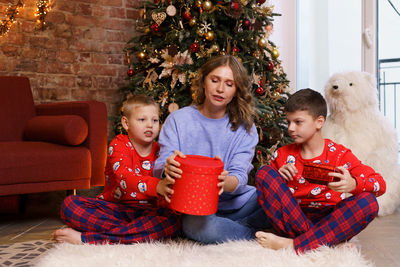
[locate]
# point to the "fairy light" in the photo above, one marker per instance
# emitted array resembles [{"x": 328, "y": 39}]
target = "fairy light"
[
  {"x": 42, "y": 7},
  {"x": 11, "y": 14}
]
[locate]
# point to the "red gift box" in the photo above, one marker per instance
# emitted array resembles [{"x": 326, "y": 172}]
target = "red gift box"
[
  {"x": 196, "y": 192},
  {"x": 318, "y": 173}
]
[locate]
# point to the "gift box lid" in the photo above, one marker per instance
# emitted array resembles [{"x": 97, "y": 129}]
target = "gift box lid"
[
  {"x": 200, "y": 164},
  {"x": 318, "y": 173}
]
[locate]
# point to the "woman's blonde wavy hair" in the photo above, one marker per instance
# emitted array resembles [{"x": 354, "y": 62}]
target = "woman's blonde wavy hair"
[{"x": 241, "y": 109}]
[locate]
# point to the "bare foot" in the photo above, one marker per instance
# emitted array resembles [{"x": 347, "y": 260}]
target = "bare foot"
[
  {"x": 68, "y": 235},
  {"x": 269, "y": 240}
]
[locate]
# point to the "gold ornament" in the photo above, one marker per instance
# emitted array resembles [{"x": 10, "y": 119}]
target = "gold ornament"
[
  {"x": 244, "y": 2},
  {"x": 209, "y": 35},
  {"x": 197, "y": 3},
  {"x": 159, "y": 17},
  {"x": 275, "y": 53},
  {"x": 275, "y": 94},
  {"x": 141, "y": 55},
  {"x": 192, "y": 21},
  {"x": 173, "y": 107},
  {"x": 215, "y": 48},
  {"x": 199, "y": 32},
  {"x": 207, "y": 5},
  {"x": 146, "y": 30},
  {"x": 262, "y": 42}
]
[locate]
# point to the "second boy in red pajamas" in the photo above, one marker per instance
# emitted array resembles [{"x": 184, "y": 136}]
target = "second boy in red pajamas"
[{"x": 306, "y": 215}]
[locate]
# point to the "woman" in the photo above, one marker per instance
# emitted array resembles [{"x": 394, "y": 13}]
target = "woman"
[{"x": 218, "y": 124}]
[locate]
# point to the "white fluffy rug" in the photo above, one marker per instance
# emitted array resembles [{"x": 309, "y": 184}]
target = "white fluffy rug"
[{"x": 187, "y": 253}]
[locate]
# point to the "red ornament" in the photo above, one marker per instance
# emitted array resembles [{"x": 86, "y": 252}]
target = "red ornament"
[
  {"x": 235, "y": 5},
  {"x": 246, "y": 23},
  {"x": 194, "y": 47},
  {"x": 187, "y": 15},
  {"x": 155, "y": 27},
  {"x": 235, "y": 49},
  {"x": 130, "y": 72},
  {"x": 270, "y": 66},
  {"x": 260, "y": 90},
  {"x": 260, "y": 2},
  {"x": 258, "y": 152}
]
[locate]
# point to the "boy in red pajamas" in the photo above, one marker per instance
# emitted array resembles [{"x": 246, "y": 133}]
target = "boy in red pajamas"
[
  {"x": 307, "y": 215},
  {"x": 128, "y": 210}
]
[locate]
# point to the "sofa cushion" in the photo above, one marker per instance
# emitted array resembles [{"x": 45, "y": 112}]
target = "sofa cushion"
[
  {"x": 17, "y": 107},
  {"x": 63, "y": 129},
  {"x": 34, "y": 162}
]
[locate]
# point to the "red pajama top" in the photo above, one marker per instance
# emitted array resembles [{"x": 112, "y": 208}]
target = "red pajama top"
[
  {"x": 129, "y": 175},
  {"x": 315, "y": 195}
]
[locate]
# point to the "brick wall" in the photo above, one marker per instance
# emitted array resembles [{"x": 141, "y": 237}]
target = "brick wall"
[{"x": 80, "y": 54}]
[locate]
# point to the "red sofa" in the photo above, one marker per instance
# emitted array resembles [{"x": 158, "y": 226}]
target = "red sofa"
[{"x": 48, "y": 147}]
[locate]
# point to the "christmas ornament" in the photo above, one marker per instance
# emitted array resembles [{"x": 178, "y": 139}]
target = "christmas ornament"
[
  {"x": 197, "y": 3},
  {"x": 141, "y": 55},
  {"x": 214, "y": 48},
  {"x": 235, "y": 50},
  {"x": 262, "y": 42},
  {"x": 259, "y": 90},
  {"x": 205, "y": 27},
  {"x": 246, "y": 23},
  {"x": 270, "y": 65},
  {"x": 187, "y": 15},
  {"x": 209, "y": 35},
  {"x": 199, "y": 32},
  {"x": 269, "y": 27},
  {"x": 173, "y": 107},
  {"x": 159, "y": 17},
  {"x": 260, "y": 2},
  {"x": 235, "y": 5},
  {"x": 155, "y": 27},
  {"x": 244, "y": 2},
  {"x": 171, "y": 10},
  {"x": 207, "y": 5},
  {"x": 192, "y": 21},
  {"x": 130, "y": 72},
  {"x": 194, "y": 47},
  {"x": 275, "y": 53}
]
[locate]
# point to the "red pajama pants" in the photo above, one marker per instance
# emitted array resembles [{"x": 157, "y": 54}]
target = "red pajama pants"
[
  {"x": 311, "y": 227},
  {"x": 107, "y": 222}
]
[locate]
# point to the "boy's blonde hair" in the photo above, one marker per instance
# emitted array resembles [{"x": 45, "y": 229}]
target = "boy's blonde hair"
[{"x": 136, "y": 101}]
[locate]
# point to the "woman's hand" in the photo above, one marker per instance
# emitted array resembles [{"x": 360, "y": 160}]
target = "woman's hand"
[
  {"x": 288, "y": 171},
  {"x": 346, "y": 184},
  {"x": 171, "y": 168}
]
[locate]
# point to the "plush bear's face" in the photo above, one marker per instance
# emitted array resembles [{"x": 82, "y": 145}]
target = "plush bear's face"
[{"x": 350, "y": 91}]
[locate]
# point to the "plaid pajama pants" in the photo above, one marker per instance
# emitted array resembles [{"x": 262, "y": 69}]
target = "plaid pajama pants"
[
  {"x": 107, "y": 222},
  {"x": 311, "y": 227}
]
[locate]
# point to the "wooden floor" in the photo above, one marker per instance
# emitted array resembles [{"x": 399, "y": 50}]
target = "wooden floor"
[{"x": 379, "y": 242}]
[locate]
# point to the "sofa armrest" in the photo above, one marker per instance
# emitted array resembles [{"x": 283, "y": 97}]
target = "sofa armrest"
[{"x": 95, "y": 115}]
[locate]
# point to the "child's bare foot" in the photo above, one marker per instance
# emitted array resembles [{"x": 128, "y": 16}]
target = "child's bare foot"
[
  {"x": 269, "y": 240},
  {"x": 68, "y": 235}
]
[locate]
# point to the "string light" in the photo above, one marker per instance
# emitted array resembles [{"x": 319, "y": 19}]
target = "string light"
[
  {"x": 42, "y": 7},
  {"x": 11, "y": 14}
]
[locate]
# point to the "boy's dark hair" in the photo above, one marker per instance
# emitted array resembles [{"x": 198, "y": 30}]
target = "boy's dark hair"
[{"x": 309, "y": 100}]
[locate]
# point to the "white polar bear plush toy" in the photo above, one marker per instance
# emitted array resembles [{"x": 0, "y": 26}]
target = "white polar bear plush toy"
[{"x": 356, "y": 122}]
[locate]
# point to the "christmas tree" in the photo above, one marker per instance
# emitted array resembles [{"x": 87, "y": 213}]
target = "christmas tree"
[{"x": 177, "y": 37}]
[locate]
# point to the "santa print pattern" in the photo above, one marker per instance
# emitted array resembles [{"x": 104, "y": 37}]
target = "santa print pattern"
[
  {"x": 312, "y": 227},
  {"x": 128, "y": 175},
  {"x": 103, "y": 222}
]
